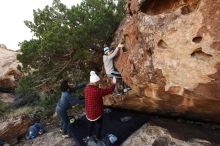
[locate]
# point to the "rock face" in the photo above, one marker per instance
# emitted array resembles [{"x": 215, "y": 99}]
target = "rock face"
[
  {"x": 8, "y": 73},
  {"x": 14, "y": 128},
  {"x": 171, "y": 58},
  {"x": 8, "y": 68},
  {"x": 52, "y": 138},
  {"x": 157, "y": 136}
]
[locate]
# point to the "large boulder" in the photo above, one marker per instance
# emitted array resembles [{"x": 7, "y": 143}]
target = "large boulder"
[
  {"x": 52, "y": 138},
  {"x": 8, "y": 68},
  {"x": 14, "y": 128},
  {"x": 157, "y": 136},
  {"x": 9, "y": 74},
  {"x": 171, "y": 58}
]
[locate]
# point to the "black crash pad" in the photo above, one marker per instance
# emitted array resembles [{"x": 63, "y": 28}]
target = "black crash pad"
[{"x": 112, "y": 124}]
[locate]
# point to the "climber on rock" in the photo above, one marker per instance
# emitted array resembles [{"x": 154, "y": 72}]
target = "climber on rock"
[
  {"x": 108, "y": 60},
  {"x": 66, "y": 101}
]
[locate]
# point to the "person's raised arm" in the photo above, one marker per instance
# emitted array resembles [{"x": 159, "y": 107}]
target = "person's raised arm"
[
  {"x": 115, "y": 52},
  {"x": 111, "y": 56},
  {"x": 106, "y": 91},
  {"x": 73, "y": 100},
  {"x": 79, "y": 86}
]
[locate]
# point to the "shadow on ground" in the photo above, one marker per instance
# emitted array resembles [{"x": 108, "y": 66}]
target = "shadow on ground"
[{"x": 113, "y": 123}]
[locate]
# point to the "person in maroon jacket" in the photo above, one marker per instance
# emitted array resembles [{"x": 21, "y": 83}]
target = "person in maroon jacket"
[{"x": 94, "y": 103}]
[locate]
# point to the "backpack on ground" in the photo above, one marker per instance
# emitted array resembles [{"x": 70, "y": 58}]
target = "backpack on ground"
[{"x": 34, "y": 131}]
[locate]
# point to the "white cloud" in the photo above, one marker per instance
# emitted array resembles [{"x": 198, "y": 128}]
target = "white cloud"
[{"x": 12, "y": 15}]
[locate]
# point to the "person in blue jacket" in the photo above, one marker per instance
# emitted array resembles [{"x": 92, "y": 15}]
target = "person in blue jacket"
[{"x": 65, "y": 102}]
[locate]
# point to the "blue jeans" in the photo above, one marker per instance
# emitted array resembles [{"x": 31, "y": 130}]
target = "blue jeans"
[{"x": 65, "y": 122}]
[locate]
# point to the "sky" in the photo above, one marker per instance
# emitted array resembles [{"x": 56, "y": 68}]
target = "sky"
[{"x": 12, "y": 16}]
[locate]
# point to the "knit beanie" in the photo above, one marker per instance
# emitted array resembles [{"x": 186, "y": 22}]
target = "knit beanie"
[
  {"x": 93, "y": 77},
  {"x": 106, "y": 50}
]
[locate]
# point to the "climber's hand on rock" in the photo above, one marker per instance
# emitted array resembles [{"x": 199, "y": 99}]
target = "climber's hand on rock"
[{"x": 120, "y": 46}]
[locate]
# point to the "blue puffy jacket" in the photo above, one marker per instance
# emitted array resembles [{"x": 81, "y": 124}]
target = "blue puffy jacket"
[{"x": 34, "y": 131}]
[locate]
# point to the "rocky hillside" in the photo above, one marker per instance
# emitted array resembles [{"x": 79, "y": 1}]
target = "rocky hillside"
[
  {"x": 8, "y": 67},
  {"x": 171, "y": 58},
  {"x": 8, "y": 73}
]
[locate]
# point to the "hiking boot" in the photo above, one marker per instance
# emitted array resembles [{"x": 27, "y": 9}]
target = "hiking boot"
[
  {"x": 91, "y": 141},
  {"x": 126, "y": 90},
  {"x": 72, "y": 120},
  {"x": 86, "y": 139},
  {"x": 119, "y": 94},
  {"x": 115, "y": 95},
  {"x": 101, "y": 143},
  {"x": 91, "y": 138}
]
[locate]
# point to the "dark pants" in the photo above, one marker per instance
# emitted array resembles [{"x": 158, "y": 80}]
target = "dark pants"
[
  {"x": 98, "y": 127},
  {"x": 65, "y": 122},
  {"x": 119, "y": 84}
]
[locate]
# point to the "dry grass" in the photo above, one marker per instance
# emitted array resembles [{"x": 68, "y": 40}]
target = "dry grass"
[
  {"x": 20, "y": 111},
  {"x": 2, "y": 106},
  {"x": 23, "y": 111}
]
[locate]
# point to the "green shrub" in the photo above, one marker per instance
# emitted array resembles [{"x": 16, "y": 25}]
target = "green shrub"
[
  {"x": 49, "y": 100},
  {"x": 24, "y": 87},
  {"x": 25, "y": 92},
  {"x": 2, "y": 107},
  {"x": 24, "y": 111}
]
